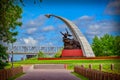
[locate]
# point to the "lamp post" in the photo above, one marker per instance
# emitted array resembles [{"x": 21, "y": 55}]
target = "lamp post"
[{"x": 12, "y": 56}]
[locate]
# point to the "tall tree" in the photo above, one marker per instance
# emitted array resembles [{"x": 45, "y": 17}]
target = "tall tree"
[
  {"x": 3, "y": 56},
  {"x": 10, "y": 15},
  {"x": 103, "y": 46},
  {"x": 117, "y": 45},
  {"x": 97, "y": 47},
  {"x": 107, "y": 44}
]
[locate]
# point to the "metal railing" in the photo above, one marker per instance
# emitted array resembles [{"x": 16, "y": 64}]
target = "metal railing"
[{"x": 33, "y": 49}]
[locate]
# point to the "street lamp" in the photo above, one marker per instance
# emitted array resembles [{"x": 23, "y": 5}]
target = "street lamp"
[{"x": 12, "y": 56}]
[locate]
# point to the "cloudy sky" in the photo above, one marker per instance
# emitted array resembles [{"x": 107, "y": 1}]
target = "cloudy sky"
[{"x": 93, "y": 17}]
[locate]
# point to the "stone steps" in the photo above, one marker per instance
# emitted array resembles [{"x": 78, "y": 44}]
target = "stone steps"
[{"x": 49, "y": 66}]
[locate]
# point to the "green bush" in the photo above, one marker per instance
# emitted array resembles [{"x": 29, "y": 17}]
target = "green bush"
[
  {"x": 41, "y": 55},
  {"x": 107, "y": 45},
  {"x": 58, "y": 54}
]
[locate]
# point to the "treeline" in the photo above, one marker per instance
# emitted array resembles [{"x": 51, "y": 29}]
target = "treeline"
[{"x": 106, "y": 45}]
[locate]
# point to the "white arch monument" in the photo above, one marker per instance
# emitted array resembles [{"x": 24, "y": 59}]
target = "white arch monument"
[{"x": 85, "y": 46}]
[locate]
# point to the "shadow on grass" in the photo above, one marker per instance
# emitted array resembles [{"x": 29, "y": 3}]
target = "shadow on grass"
[
  {"x": 79, "y": 76},
  {"x": 16, "y": 76}
]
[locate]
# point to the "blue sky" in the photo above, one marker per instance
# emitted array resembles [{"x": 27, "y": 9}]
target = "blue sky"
[{"x": 93, "y": 17}]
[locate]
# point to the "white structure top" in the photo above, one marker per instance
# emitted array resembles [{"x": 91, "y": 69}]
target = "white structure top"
[{"x": 86, "y": 48}]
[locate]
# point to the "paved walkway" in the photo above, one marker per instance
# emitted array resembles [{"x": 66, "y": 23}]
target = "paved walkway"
[{"x": 45, "y": 73}]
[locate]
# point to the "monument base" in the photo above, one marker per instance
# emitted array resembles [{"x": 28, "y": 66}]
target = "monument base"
[{"x": 72, "y": 53}]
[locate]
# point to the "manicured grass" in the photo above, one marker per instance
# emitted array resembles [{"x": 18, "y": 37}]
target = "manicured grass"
[
  {"x": 71, "y": 63},
  {"x": 35, "y": 61},
  {"x": 10, "y": 65},
  {"x": 16, "y": 76},
  {"x": 79, "y": 76},
  {"x": 106, "y": 67}
]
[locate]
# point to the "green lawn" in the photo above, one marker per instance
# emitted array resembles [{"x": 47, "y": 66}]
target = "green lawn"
[
  {"x": 79, "y": 76},
  {"x": 71, "y": 63},
  {"x": 10, "y": 65},
  {"x": 16, "y": 76},
  {"x": 35, "y": 61},
  {"x": 106, "y": 67}
]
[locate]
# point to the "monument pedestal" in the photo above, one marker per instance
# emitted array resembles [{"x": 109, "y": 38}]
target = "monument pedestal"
[{"x": 72, "y": 53}]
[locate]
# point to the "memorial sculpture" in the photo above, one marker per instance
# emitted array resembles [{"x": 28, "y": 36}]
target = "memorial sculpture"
[
  {"x": 85, "y": 50},
  {"x": 72, "y": 47},
  {"x": 70, "y": 43}
]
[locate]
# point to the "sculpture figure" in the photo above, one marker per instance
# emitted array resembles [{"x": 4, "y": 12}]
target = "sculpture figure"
[{"x": 70, "y": 43}]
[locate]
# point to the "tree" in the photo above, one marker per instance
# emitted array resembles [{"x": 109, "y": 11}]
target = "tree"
[
  {"x": 41, "y": 55},
  {"x": 96, "y": 46},
  {"x": 3, "y": 57},
  {"x": 10, "y": 15},
  {"x": 103, "y": 46},
  {"x": 117, "y": 45},
  {"x": 107, "y": 44},
  {"x": 58, "y": 54}
]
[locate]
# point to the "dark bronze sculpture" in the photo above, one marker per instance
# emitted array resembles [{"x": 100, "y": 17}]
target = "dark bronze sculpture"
[{"x": 70, "y": 43}]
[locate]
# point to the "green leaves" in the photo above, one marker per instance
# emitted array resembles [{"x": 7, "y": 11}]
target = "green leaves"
[
  {"x": 106, "y": 45},
  {"x": 10, "y": 15},
  {"x": 3, "y": 57},
  {"x": 97, "y": 47},
  {"x": 58, "y": 54},
  {"x": 41, "y": 55},
  {"x": 117, "y": 45}
]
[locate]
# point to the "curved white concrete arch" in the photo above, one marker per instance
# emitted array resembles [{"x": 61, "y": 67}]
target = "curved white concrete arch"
[{"x": 85, "y": 46}]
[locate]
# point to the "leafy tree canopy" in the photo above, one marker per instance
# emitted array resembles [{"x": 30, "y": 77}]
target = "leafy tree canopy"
[
  {"x": 3, "y": 57},
  {"x": 10, "y": 15},
  {"x": 106, "y": 45},
  {"x": 58, "y": 54},
  {"x": 117, "y": 45},
  {"x": 42, "y": 55}
]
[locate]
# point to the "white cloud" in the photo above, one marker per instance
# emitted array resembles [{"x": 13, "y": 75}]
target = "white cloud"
[
  {"x": 41, "y": 38},
  {"x": 84, "y": 21},
  {"x": 37, "y": 22},
  {"x": 90, "y": 27},
  {"x": 48, "y": 28},
  {"x": 30, "y": 41},
  {"x": 62, "y": 26},
  {"x": 102, "y": 27},
  {"x": 34, "y": 25},
  {"x": 94, "y": 27},
  {"x": 113, "y": 7},
  {"x": 85, "y": 17},
  {"x": 50, "y": 44},
  {"x": 93, "y": 30},
  {"x": 31, "y": 30}
]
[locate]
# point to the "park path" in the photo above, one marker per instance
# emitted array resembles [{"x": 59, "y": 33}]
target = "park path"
[{"x": 47, "y": 72}]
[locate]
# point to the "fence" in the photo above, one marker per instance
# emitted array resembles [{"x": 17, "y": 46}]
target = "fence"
[
  {"x": 95, "y": 74},
  {"x": 7, "y": 73}
]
